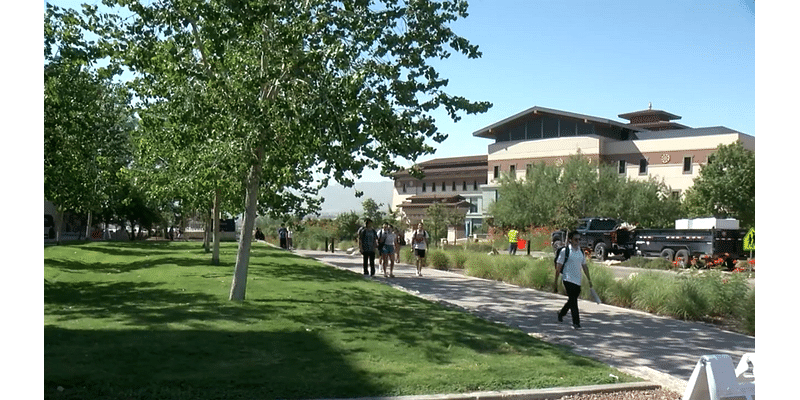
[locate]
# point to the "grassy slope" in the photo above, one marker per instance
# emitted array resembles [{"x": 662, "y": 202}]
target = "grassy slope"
[{"x": 153, "y": 320}]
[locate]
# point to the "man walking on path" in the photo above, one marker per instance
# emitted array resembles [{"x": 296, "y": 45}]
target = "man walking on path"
[
  {"x": 367, "y": 244},
  {"x": 419, "y": 242},
  {"x": 283, "y": 234},
  {"x": 512, "y": 241},
  {"x": 631, "y": 339},
  {"x": 569, "y": 264}
]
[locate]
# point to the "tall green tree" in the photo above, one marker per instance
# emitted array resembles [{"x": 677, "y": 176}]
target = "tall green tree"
[
  {"x": 87, "y": 125},
  {"x": 373, "y": 212},
  {"x": 559, "y": 195},
  {"x": 347, "y": 225},
  {"x": 725, "y": 186},
  {"x": 305, "y": 86},
  {"x": 440, "y": 217}
]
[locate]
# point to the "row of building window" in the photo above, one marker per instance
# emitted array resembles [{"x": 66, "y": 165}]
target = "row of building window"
[
  {"x": 643, "y": 163},
  {"x": 552, "y": 127},
  {"x": 622, "y": 167},
  {"x": 444, "y": 186}
]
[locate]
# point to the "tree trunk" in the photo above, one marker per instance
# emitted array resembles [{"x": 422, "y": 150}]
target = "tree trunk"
[
  {"x": 206, "y": 232},
  {"x": 59, "y": 221},
  {"x": 89, "y": 226},
  {"x": 216, "y": 234},
  {"x": 239, "y": 284}
]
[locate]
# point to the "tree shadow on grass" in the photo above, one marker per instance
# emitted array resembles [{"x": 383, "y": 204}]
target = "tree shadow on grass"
[
  {"x": 302, "y": 272},
  {"x": 417, "y": 323},
  {"x": 121, "y": 267},
  {"x": 141, "y": 248},
  {"x": 142, "y": 304},
  {"x": 197, "y": 364}
]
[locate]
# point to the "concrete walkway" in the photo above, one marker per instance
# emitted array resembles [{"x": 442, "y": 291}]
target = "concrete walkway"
[{"x": 658, "y": 349}]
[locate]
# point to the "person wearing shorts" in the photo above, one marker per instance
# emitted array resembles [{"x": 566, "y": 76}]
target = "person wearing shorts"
[
  {"x": 389, "y": 239},
  {"x": 401, "y": 241},
  {"x": 419, "y": 242}
]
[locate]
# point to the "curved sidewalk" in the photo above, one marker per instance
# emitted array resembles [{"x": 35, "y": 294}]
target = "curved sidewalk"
[{"x": 658, "y": 349}]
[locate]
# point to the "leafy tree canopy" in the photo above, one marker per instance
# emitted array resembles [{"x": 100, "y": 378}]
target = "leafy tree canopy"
[
  {"x": 726, "y": 186},
  {"x": 291, "y": 87},
  {"x": 558, "y": 196}
]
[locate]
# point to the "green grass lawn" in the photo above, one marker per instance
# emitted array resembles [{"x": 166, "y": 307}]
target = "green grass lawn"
[{"x": 153, "y": 321}]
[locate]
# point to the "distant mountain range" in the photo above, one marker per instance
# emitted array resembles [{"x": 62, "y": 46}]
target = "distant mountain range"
[{"x": 339, "y": 199}]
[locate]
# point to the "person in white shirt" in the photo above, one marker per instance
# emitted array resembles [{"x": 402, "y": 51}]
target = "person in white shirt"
[
  {"x": 387, "y": 240},
  {"x": 419, "y": 242},
  {"x": 569, "y": 264}
]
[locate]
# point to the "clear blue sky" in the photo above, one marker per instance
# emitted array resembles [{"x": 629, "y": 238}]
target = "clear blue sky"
[{"x": 695, "y": 59}]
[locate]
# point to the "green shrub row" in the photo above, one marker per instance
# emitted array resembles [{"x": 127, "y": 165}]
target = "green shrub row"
[
  {"x": 711, "y": 296},
  {"x": 697, "y": 296}
]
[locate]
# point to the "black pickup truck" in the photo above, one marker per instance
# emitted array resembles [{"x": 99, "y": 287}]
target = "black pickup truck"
[{"x": 602, "y": 237}]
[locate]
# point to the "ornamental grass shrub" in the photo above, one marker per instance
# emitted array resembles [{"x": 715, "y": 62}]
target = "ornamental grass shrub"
[
  {"x": 457, "y": 258},
  {"x": 699, "y": 296},
  {"x": 479, "y": 265},
  {"x": 648, "y": 263},
  {"x": 538, "y": 274},
  {"x": 621, "y": 293},
  {"x": 437, "y": 259},
  {"x": 507, "y": 268},
  {"x": 726, "y": 292},
  {"x": 690, "y": 300},
  {"x": 747, "y": 318},
  {"x": 602, "y": 280},
  {"x": 652, "y": 290},
  {"x": 407, "y": 255}
]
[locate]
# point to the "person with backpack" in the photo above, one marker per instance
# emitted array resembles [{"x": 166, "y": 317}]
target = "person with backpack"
[
  {"x": 558, "y": 245},
  {"x": 569, "y": 262},
  {"x": 401, "y": 241},
  {"x": 419, "y": 242},
  {"x": 367, "y": 244},
  {"x": 387, "y": 241},
  {"x": 283, "y": 234}
]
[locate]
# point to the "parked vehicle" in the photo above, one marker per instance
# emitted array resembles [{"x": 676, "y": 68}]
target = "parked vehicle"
[
  {"x": 684, "y": 244},
  {"x": 604, "y": 237}
]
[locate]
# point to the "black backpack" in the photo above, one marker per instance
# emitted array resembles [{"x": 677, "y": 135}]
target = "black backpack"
[{"x": 566, "y": 255}]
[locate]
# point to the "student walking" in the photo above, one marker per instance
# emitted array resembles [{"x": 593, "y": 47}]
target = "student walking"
[
  {"x": 569, "y": 264},
  {"x": 419, "y": 242},
  {"x": 367, "y": 244},
  {"x": 388, "y": 241},
  {"x": 401, "y": 241},
  {"x": 282, "y": 235}
]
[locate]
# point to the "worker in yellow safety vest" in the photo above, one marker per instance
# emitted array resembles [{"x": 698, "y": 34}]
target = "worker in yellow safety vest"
[{"x": 512, "y": 241}]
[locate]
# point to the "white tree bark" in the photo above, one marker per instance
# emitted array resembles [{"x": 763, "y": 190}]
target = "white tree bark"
[
  {"x": 89, "y": 226},
  {"x": 239, "y": 284},
  {"x": 216, "y": 234}
]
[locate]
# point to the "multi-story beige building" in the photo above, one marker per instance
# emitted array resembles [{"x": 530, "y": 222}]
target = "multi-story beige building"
[
  {"x": 650, "y": 144},
  {"x": 455, "y": 182}
]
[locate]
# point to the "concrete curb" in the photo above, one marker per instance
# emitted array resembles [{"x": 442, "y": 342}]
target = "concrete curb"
[{"x": 528, "y": 394}]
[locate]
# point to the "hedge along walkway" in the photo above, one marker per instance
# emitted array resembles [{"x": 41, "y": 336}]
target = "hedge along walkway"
[{"x": 660, "y": 349}]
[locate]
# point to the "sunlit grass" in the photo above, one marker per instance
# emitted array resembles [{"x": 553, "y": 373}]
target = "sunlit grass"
[{"x": 153, "y": 320}]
